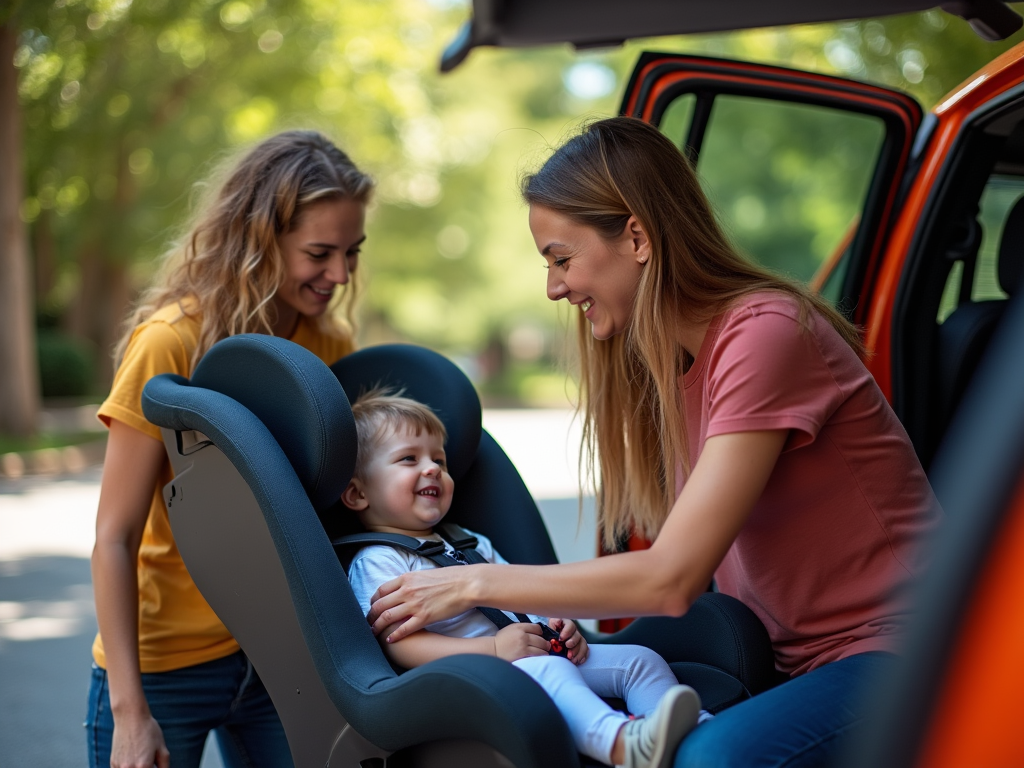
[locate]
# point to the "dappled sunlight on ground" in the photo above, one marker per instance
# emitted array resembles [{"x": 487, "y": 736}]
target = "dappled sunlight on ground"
[{"x": 48, "y": 516}]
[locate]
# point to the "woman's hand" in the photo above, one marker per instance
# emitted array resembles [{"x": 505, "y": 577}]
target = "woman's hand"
[
  {"x": 519, "y": 640},
  {"x": 571, "y": 638},
  {"x": 138, "y": 743},
  {"x": 419, "y": 598}
]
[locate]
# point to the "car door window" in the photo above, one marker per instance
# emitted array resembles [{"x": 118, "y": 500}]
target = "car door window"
[
  {"x": 787, "y": 180},
  {"x": 804, "y": 169},
  {"x": 1000, "y": 194}
]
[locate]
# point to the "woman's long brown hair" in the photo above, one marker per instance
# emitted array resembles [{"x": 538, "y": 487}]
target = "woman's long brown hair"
[
  {"x": 634, "y": 431},
  {"x": 228, "y": 266}
]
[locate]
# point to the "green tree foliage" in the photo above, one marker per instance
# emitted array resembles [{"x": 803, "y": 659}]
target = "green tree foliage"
[{"x": 127, "y": 104}]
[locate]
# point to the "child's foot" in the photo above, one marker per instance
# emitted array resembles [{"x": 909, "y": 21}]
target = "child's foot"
[{"x": 651, "y": 741}]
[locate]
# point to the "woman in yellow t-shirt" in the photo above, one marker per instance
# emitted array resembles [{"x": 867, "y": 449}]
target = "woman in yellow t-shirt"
[{"x": 265, "y": 254}]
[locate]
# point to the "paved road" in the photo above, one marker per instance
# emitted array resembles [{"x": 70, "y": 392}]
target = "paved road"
[{"x": 47, "y": 619}]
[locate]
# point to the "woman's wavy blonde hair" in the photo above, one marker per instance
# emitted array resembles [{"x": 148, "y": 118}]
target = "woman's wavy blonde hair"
[
  {"x": 228, "y": 266},
  {"x": 634, "y": 430}
]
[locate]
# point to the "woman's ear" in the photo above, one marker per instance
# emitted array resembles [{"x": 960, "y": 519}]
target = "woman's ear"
[
  {"x": 353, "y": 496},
  {"x": 640, "y": 243}
]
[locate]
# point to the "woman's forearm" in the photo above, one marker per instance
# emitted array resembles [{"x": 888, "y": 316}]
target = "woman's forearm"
[
  {"x": 663, "y": 580},
  {"x": 115, "y": 582},
  {"x": 130, "y": 473},
  {"x": 644, "y": 583}
]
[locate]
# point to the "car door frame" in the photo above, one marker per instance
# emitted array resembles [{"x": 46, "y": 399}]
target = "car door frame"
[{"x": 660, "y": 78}]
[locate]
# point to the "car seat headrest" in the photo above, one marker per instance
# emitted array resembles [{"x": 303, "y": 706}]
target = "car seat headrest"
[
  {"x": 427, "y": 377},
  {"x": 297, "y": 398},
  {"x": 1011, "y": 250}
]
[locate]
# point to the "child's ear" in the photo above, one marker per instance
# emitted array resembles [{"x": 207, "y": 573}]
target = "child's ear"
[{"x": 353, "y": 498}]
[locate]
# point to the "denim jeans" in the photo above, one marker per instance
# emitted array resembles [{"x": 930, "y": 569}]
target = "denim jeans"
[
  {"x": 224, "y": 695},
  {"x": 806, "y": 722}
]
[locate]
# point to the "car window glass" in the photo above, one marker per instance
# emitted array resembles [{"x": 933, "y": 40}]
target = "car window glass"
[
  {"x": 832, "y": 286},
  {"x": 999, "y": 196},
  {"x": 675, "y": 121},
  {"x": 788, "y": 180},
  {"x": 951, "y": 293}
]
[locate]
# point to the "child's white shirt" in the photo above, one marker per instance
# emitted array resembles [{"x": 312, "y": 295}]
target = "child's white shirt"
[{"x": 378, "y": 563}]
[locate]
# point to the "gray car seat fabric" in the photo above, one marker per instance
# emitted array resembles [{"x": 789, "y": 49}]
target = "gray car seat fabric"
[{"x": 282, "y": 420}]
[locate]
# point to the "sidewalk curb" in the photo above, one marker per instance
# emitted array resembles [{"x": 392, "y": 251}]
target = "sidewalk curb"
[{"x": 69, "y": 460}]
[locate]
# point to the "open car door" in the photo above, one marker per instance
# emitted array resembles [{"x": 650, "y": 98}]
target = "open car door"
[
  {"x": 805, "y": 170},
  {"x": 590, "y": 23}
]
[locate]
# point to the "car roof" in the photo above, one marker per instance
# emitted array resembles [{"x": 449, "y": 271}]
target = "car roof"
[{"x": 596, "y": 23}]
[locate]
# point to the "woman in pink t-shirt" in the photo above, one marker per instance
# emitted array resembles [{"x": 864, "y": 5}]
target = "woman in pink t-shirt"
[{"x": 731, "y": 421}]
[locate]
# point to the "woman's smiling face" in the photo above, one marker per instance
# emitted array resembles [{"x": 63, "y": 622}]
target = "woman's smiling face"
[
  {"x": 320, "y": 253},
  {"x": 599, "y": 276}
]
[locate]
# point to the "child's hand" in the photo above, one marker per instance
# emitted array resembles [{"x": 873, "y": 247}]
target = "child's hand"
[
  {"x": 519, "y": 640},
  {"x": 571, "y": 637}
]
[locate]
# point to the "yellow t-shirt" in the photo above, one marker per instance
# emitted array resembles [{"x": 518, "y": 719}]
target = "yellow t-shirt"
[{"x": 177, "y": 628}]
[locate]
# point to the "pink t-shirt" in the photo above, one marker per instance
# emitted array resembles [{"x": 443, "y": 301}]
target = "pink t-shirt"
[{"x": 828, "y": 551}]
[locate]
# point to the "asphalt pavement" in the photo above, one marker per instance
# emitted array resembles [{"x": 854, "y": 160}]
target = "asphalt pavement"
[{"x": 47, "y": 617}]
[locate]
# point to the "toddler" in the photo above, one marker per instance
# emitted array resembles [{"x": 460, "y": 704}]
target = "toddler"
[{"x": 401, "y": 485}]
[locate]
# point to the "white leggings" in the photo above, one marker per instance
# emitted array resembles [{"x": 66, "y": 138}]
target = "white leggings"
[{"x": 630, "y": 672}]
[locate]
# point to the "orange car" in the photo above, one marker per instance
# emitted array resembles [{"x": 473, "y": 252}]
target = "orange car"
[{"x": 929, "y": 268}]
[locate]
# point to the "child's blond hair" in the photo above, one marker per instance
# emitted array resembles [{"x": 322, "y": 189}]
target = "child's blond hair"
[{"x": 382, "y": 411}]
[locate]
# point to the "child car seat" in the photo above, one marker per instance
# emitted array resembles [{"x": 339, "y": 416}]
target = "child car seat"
[{"x": 262, "y": 442}]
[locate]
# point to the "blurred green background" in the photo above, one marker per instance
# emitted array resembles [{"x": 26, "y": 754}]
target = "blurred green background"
[{"x": 127, "y": 105}]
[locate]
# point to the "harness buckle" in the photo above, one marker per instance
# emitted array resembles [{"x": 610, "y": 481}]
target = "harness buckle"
[
  {"x": 430, "y": 547},
  {"x": 458, "y": 537}
]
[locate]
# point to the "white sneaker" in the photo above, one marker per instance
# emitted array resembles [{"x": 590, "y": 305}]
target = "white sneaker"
[{"x": 650, "y": 742}]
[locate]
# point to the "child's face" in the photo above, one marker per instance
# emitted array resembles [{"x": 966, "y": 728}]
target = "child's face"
[{"x": 405, "y": 486}]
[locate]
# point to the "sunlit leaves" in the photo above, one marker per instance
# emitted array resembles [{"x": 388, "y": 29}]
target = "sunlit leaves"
[
  {"x": 187, "y": 40},
  {"x": 270, "y": 41},
  {"x": 119, "y": 104},
  {"x": 235, "y": 14},
  {"x": 128, "y": 104},
  {"x": 39, "y": 71},
  {"x": 251, "y": 121}
]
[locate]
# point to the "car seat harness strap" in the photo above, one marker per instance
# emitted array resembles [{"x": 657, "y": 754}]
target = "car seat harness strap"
[{"x": 463, "y": 552}]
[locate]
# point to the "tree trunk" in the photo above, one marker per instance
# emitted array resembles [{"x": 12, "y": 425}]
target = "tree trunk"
[
  {"x": 45, "y": 250},
  {"x": 110, "y": 319},
  {"x": 19, "y": 372},
  {"x": 79, "y": 320},
  {"x": 99, "y": 308}
]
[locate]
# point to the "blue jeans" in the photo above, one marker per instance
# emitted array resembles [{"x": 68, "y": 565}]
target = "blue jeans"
[
  {"x": 224, "y": 695},
  {"x": 806, "y": 722}
]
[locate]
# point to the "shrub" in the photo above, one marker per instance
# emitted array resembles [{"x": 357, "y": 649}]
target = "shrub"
[{"x": 65, "y": 365}]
